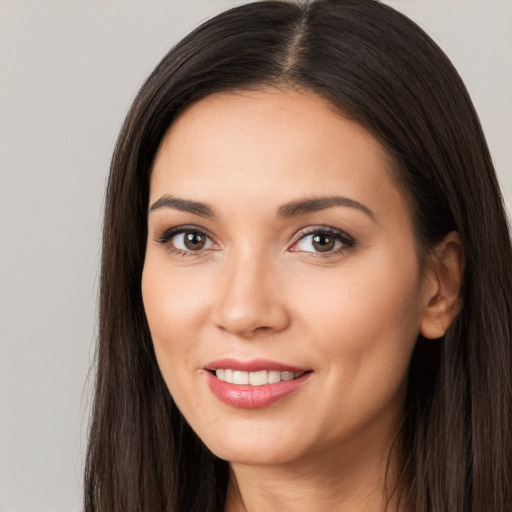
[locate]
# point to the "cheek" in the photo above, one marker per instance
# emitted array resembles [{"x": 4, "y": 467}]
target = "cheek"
[
  {"x": 172, "y": 300},
  {"x": 364, "y": 334},
  {"x": 357, "y": 299},
  {"x": 173, "y": 306},
  {"x": 175, "y": 309},
  {"x": 365, "y": 317}
]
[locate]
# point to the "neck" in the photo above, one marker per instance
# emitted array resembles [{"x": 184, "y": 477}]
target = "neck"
[{"x": 333, "y": 481}]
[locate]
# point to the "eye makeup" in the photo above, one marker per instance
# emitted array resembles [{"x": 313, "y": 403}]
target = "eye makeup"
[
  {"x": 316, "y": 241},
  {"x": 322, "y": 241}
]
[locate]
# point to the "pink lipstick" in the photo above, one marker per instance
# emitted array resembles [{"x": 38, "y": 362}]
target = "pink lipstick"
[{"x": 254, "y": 384}]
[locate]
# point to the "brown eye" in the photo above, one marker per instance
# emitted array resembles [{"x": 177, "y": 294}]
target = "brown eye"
[
  {"x": 323, "y": 243},
  {"x": 194, "y": 241},
  {"x": 186, "y": 240},
  {"x": 326, "y": 240}
]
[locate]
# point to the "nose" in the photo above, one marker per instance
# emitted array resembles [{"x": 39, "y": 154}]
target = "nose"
[{"x": 250, "y": 299}]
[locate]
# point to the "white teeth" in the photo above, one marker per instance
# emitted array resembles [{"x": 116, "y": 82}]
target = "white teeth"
[
  {"x": 254, "y": 378},
  {"x": 274, "y": 377},
  {"x": 240, "y": 377},
  {"x": 258, "y": 378}
]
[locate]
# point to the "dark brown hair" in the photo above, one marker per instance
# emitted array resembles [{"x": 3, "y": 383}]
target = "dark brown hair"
[{"x": 379, "y": 69}]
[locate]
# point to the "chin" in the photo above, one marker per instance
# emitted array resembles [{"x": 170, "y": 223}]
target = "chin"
[
  {"x": 252, "y": 456},
  {"x": 253, "y": 450}
]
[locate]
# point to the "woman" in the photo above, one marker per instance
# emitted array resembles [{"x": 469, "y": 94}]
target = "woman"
[{"x": 305, "y": 277}]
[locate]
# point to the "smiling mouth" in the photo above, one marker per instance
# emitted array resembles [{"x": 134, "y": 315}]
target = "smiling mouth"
[
  {"x": 259, "y": 378},
  {"x": 254, "y": 384}
]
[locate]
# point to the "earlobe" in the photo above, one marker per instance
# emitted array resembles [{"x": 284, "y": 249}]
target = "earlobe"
[{"x": 443, "y": 298}]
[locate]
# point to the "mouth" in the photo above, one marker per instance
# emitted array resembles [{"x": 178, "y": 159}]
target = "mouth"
[{"x": 254, "y": 384}]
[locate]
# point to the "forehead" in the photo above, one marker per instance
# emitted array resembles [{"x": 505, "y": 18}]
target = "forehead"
[{"x": 279, "y": 144}]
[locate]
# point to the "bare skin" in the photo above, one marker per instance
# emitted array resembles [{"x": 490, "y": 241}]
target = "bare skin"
[
  {"x": 310, "y": 487},
  {"x": 277, "y": 232}
]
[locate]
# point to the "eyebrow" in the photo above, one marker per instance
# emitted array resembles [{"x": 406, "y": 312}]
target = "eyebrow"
[
  {"x": 286, "y": 211},
  {"x": 304, "y": 206},
  {"x": 185, "y": 205}
]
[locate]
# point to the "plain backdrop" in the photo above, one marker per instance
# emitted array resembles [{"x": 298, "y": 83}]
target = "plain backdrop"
[{"x": 68, "y": 72}]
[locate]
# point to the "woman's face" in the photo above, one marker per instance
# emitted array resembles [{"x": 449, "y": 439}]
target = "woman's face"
[{"x": 281, "y": 256}]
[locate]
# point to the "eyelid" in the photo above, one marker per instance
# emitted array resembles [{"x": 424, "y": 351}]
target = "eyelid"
[
  {"x": 167, "y": 235},
  {"x": 348, "y": 242}
]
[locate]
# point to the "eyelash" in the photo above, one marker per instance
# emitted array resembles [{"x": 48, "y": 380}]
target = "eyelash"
[
  {"x": 346, "y": 241},
  {"x": 168, "y": 235}
]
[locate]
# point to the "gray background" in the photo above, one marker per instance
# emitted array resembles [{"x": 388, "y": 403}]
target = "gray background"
[{"x": 68, "y": 72}]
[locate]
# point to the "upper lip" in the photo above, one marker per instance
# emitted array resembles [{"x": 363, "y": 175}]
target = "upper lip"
[{"x": 254, "y": 365}]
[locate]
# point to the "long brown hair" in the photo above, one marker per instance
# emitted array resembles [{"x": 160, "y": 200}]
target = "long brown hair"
[{"x": 380, "y": 69}]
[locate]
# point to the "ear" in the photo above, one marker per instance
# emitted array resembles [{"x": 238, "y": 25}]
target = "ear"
[{"x": 443, "y": 280}]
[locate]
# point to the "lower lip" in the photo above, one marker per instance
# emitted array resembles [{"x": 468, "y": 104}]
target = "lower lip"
[{"x": 253, "y": 397}]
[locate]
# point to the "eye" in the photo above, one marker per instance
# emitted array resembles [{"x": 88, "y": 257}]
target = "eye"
[
  {"x": 186, "y": 240},
  {"x": 191, "y": 241},
  {"x": 325, "y": 240}
]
